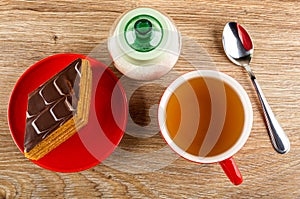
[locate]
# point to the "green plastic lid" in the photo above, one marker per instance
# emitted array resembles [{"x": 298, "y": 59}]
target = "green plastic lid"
[{"x": 143, "y": 33}]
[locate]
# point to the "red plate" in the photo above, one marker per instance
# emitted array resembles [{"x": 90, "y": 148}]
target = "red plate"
[{"x": 107, "y": 119}]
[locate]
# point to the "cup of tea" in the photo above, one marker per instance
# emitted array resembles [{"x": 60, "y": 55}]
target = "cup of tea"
[{"x": 206, "y": 117}]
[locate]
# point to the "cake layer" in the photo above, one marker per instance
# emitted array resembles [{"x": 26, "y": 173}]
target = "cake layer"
[{"x": 57, "y": 109}]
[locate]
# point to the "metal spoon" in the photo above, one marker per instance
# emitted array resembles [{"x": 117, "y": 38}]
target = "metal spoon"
[{"x": 239, "y": 48}]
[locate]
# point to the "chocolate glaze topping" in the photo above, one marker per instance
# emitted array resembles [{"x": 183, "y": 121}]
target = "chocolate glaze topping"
[{"x": 52, "y": 104}]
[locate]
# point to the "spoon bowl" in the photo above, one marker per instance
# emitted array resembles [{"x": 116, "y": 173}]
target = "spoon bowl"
[
  {"x": 239, "y": 48},
  {"x": 237, "y": 44}
]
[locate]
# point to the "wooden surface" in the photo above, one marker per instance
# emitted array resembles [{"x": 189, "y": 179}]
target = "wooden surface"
[{"x": 33, "y": 30}]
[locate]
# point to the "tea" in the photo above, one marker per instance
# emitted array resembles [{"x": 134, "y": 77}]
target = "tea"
[{"x": 205, "y": 116}]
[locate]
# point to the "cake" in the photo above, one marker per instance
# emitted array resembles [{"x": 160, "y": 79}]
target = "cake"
[{"x": 57, "y": 109}]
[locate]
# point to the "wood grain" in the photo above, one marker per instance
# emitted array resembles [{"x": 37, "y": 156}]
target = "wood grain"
[{"x": 32, "y": 30}]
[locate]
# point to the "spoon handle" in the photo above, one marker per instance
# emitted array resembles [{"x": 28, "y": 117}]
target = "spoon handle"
[{"x": 278, "y": 138}]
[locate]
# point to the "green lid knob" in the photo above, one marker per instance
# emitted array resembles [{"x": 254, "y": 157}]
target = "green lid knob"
[
  {"x": 143, "y": 33},
  {"x": 143, "y": 29}
]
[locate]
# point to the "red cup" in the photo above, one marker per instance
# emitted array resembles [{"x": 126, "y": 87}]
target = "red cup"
[{"x": 224, "y": 158}]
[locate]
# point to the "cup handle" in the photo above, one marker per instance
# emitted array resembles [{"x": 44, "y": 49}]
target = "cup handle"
[{"x": 231, "y": 170}]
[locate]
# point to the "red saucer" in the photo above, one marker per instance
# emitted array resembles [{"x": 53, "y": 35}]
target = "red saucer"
[{"x": 107, "y": 119}]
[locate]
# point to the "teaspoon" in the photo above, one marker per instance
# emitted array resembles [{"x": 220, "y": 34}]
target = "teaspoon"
[{"x": 238, "y": 47}]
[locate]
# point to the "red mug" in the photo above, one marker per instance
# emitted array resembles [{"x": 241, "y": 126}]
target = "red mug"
[{"x": 213, "y": 136}]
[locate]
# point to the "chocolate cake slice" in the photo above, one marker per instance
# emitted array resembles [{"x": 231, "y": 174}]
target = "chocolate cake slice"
[{"x": 58, "y": 109}]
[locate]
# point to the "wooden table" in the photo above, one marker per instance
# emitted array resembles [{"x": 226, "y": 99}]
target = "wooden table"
[{"x": 33, "y": 30}]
